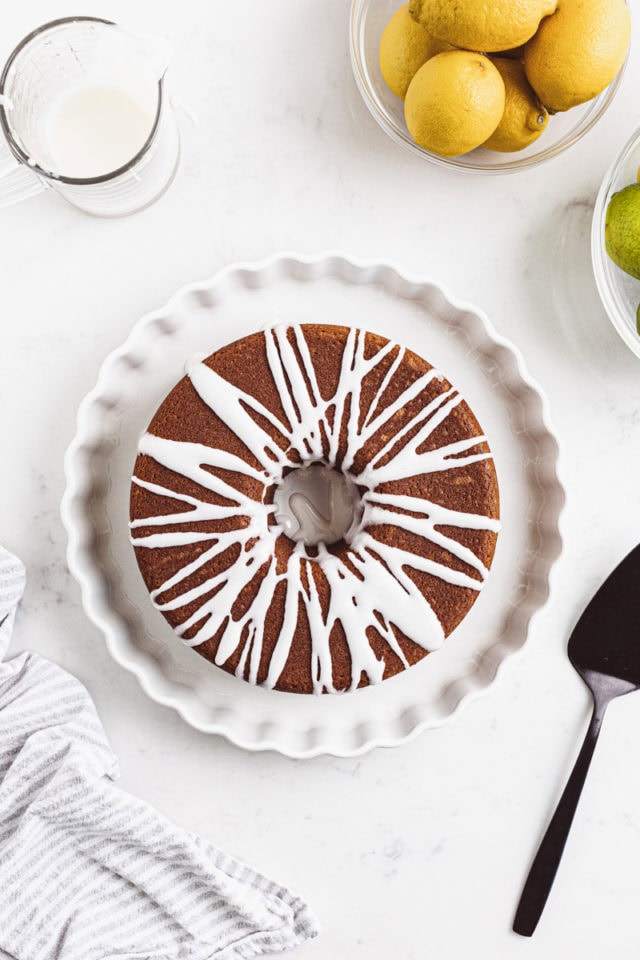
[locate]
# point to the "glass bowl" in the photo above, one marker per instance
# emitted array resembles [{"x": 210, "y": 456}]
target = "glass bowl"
[
  {"x": 368, "y": 20},
  {"x": 619, "y": 292}
]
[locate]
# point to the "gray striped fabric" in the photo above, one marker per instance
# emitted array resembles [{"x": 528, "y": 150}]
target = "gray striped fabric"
[{"x": 88, "y": 872}]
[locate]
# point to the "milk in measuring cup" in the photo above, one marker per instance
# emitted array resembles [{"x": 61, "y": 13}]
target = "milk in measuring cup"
[
  {"x": 94, "y": 130},
  {"x": 84, "y": 111}
]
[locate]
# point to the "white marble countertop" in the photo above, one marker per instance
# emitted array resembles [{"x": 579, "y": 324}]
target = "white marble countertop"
[{"x": 420, "y": 850}]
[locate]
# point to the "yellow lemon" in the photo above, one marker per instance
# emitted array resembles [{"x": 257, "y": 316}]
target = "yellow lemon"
[
  {"x": 487, "y": 25},
  {"x": 524, "y": 117},
  {"x": 404, "y": 46},
  {"x": 454, "y": 102},
  {"x": 577, "y": 52}
]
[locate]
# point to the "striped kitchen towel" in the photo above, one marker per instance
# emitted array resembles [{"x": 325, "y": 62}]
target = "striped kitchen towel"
[{"x": 88, "y": 872}]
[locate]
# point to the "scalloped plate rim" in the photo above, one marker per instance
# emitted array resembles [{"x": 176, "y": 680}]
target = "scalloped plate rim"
[{"x": 76, "y": 526}]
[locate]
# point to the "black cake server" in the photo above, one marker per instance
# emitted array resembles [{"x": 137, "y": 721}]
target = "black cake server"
[{"x": 605, "y": 650}]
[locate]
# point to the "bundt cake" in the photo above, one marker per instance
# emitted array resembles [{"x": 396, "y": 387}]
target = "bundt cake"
[{"x": 240, "y": 582}]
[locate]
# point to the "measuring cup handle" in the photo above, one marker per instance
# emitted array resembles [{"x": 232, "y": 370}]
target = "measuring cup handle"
[{"x": 17, "y": 181}]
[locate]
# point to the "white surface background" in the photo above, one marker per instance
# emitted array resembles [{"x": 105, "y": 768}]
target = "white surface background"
[{"x": 421, "y": 850}]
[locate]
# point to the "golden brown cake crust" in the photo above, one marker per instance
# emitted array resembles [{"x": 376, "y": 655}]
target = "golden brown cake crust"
[{"x": 184, "y": 417}]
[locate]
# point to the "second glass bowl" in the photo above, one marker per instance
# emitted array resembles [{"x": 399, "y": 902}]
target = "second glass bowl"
[
  {"x": 368, "y": 20},
  {"x": 619, "y": 292}
]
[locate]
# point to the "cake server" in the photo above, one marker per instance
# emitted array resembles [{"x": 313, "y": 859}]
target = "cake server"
[{"x": 605, "y": 650}]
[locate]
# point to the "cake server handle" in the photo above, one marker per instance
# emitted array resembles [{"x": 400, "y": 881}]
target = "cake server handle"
[{"x": 547, "y": 860}]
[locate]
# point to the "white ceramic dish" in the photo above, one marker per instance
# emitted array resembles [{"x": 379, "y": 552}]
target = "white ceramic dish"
[
  {"x": 619, "y": 292},
  {"x": 454, "y": 336}
]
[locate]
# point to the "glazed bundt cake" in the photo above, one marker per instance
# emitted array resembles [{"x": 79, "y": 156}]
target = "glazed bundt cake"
[{"x": 239, "y": 582}]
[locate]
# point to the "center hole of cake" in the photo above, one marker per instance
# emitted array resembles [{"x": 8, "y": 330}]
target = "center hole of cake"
[{"x": 316, "y": 504}]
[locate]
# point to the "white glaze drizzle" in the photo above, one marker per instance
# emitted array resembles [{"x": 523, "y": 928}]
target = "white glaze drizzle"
[{"x": 372, "y": 591}]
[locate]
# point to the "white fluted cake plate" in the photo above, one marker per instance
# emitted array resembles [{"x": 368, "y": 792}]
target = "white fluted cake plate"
[{"x": 456, "y": 338}]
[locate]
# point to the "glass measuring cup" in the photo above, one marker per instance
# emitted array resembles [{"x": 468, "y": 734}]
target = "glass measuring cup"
[{"x": 83, "y": 110}]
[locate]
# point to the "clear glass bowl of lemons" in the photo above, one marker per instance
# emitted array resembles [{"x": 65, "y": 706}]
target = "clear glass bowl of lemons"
[
  {"x": 615, "y": 243},
  {"x": 488, "y": 85}
]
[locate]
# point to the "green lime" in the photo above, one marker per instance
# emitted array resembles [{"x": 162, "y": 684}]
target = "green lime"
[{"x": 622, "y": 229}]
